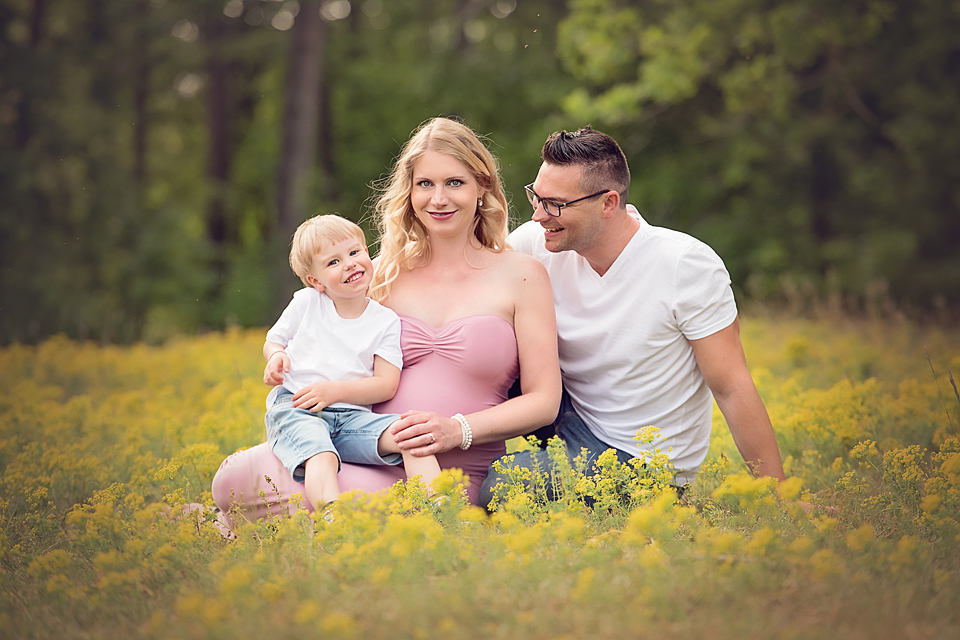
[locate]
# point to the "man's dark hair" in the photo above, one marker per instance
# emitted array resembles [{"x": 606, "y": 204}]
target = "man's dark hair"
[{"x": 604, "y": 165}]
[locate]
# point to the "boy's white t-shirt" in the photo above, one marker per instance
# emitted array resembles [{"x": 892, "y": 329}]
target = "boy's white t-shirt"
[
  {"x": 325, "y": 347},
  {"x": 623, "y": 338}
]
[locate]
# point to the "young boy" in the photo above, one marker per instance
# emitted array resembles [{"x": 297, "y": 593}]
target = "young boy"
[{"x": 332, "y": 354}]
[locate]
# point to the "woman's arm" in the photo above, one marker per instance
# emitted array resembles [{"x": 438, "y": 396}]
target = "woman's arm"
[{"x": 535, "y": 325}]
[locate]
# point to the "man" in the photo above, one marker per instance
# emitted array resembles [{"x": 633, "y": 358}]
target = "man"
[{"x": 646, "y": 319}]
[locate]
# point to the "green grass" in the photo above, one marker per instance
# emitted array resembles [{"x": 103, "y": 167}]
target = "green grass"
[{"x": 101, "y": 446}]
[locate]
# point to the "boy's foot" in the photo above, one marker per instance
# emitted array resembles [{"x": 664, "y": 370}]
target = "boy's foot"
[{"x": 326, "y": 514}]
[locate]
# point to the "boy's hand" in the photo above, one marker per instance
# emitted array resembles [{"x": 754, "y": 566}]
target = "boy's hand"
[
  {"x": 316, "y": 396},
  {"x": 277, "y": 365}
]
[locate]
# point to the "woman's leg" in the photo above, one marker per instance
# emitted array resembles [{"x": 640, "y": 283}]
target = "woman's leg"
[{"x": 245, "y": 474}]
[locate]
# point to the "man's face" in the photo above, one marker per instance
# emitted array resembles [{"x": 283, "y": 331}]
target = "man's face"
[{"x": 579, "y": 227}]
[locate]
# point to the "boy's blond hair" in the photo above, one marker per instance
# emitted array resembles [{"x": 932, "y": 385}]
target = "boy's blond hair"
[{"x": 313, "y": 235}]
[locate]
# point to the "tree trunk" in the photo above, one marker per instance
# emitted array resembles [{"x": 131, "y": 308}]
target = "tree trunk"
[
  {"x": 331, "y": 187},
  {"x": 218, "y": 128},
  {"x": 301, "y": 116},
  {"x": 23, "y": 129},
  {"x": 141, "y": 91},
  {"x": 466, "y": 11},
  {"x": 219, "y": 119}
]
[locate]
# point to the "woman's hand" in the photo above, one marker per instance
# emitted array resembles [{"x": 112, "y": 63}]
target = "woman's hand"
[{"x": 425, "y": 433}]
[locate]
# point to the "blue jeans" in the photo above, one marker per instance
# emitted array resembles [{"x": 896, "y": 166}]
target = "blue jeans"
[
  {"x": 296, "y": 435},
  {"x": 570, "y": 428}
]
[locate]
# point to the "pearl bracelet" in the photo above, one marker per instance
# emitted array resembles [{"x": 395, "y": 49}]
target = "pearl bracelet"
[{"x": 467, "y": 431}]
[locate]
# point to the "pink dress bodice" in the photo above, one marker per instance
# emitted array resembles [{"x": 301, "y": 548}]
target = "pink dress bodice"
[{"x": 465, "y": 366}]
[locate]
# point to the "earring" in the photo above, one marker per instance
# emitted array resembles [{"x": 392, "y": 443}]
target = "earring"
[{"x": 479, "y": 202}]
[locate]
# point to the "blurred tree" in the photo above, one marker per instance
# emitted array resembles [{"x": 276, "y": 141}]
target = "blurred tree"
[
  {"x": 142, "y": 65},
  {"x": 399, "y": 63},
  {"x": 76, "y": 253},
  {"x": 141, "y": 142},
  {"x": 393, "y": 65},
  {"x": 298, "y": 142},
  {"x": 90, "y": 242},
  {"x": 299, "y": 127},
  {"x": 808, "y": 141}
]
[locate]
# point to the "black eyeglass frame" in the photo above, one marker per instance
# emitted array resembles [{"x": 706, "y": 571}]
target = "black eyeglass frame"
[{"x": 535, "y": 200}]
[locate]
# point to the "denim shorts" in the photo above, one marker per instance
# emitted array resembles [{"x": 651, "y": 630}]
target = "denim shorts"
[{"x": 296, "y": 435}]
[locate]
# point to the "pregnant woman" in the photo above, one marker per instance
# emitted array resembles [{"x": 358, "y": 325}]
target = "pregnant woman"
[{"x": 474, "y": 314}]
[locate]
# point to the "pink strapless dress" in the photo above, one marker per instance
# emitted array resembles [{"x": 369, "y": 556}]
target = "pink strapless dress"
[{"x": 465, "y": 366}]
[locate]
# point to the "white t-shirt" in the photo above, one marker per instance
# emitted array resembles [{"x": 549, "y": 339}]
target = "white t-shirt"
[
  {"x": 624, "y": 351},
  {"x": 325, "y": 347}
]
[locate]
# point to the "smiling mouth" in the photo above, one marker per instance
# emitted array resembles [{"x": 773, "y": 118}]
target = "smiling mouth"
[{"x": 356, "y": 276}]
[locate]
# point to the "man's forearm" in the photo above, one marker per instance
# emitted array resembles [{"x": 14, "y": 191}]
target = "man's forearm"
[
  {"x": 752, "y": 431},
  {"x": 724, "y": 367}
]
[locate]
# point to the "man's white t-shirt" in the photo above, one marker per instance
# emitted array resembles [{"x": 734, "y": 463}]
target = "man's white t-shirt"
[
  {"x": 623, "y": 337},
  {"x": 325, "y": 347}
]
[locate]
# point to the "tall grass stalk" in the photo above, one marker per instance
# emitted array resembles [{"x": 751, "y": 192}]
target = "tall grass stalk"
[{"x": 939, "y": 392}]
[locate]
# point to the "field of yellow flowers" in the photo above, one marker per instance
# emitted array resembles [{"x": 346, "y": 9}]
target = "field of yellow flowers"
[{"x": 100, "y": 447}]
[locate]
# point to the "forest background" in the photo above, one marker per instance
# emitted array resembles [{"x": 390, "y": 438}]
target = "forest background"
[{"x": 156, "y": 155}]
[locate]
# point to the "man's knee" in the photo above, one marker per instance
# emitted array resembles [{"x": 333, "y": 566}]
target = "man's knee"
[
  {"x": 497, "y": 473},
  {"x": 543, "y": 435},
  {"x": 486, "y": 488},
  {"x": 514, "y": 468}
]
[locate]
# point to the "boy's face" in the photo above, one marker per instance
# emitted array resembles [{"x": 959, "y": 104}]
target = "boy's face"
[{"x": 343, "y": 269}]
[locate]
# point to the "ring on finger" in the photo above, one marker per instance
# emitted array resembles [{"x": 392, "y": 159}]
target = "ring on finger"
[{"x": 432, "y": 438}]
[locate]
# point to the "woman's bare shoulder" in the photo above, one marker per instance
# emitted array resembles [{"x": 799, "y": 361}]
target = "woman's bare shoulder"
[
  {"x": 522, "y": 263},
  {"x": 520, "y": 270}
]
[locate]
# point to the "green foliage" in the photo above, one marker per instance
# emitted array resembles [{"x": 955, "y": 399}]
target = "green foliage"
[
  {"x": 808, "y": 142},
  {"x": 99, "y": 242},
  {"x": 814, "y": 145}
]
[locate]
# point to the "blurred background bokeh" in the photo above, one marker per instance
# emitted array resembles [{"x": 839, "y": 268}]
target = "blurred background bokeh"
[{"x": 156, "y": 155}]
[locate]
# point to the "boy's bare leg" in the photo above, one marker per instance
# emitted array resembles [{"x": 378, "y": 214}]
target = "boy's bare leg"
[
  {"x": 426, "y": 467},
  {"x": 320, "y": 479}
]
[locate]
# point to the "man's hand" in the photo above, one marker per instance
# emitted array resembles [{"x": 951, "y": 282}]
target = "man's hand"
[{"x": 277, "y": 365}]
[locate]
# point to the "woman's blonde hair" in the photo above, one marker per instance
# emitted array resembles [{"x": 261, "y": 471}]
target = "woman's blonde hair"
[{"x": 403, "y": 238}]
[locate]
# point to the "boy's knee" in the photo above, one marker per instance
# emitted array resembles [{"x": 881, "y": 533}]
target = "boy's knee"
[
  {"x": 386, "y": 444},
  {"x": 324, "y": 461}
]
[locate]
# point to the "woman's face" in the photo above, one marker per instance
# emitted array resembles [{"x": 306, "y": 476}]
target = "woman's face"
[{"x": 444, "y": 194}]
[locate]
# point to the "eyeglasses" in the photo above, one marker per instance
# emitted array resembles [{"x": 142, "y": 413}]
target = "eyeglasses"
[{"x": 552, "y": 207}]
